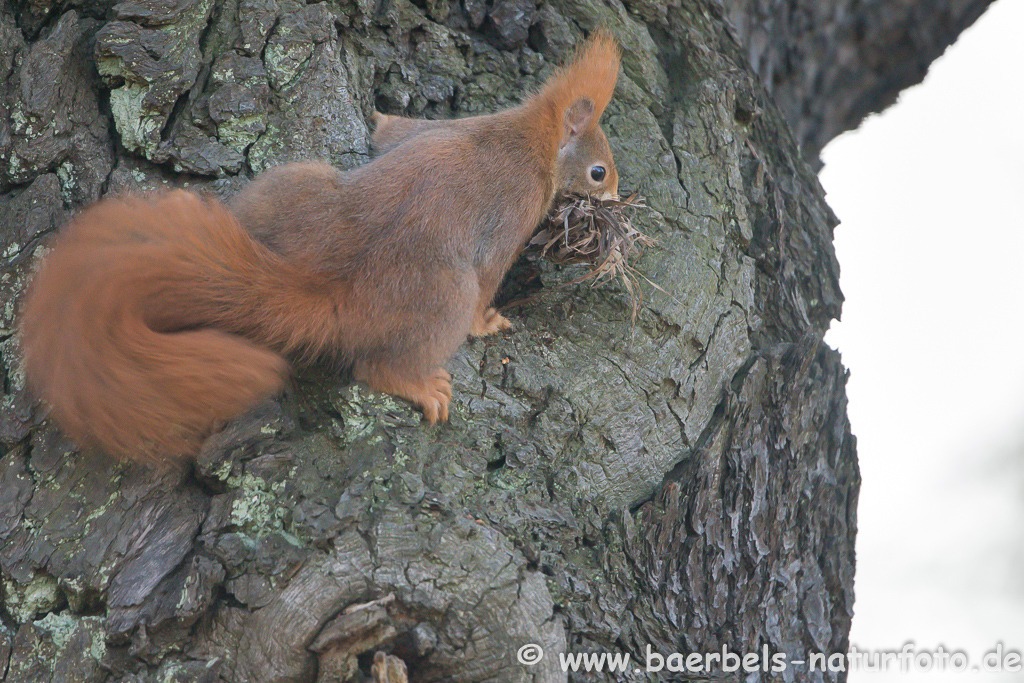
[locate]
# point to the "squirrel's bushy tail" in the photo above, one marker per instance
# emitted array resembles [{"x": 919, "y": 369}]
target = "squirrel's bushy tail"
[{"x": 122, "y": 332}]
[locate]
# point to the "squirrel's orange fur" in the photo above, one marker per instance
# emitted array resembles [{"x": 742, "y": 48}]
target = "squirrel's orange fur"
[{"x": 157, "y": 318}]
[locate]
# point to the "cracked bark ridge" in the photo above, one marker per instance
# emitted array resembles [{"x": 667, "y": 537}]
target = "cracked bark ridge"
[
  {"x": 689, "y": 534},
  {"x": 686, "y": 482}
]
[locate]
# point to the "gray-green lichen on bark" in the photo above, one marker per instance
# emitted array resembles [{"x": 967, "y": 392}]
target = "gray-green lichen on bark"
[{"x": 686, "y": 482}]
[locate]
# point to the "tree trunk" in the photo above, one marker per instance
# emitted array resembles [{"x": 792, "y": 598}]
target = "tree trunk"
[
  {"x": 830, "y": 64},
  {"x": 683, "y": 483}
]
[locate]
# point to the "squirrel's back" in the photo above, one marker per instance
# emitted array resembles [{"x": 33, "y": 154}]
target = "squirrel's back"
[{"x": 426, "y": 199}]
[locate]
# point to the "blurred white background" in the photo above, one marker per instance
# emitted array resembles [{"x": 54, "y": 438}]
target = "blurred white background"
[{"x": 931, "y": 198}]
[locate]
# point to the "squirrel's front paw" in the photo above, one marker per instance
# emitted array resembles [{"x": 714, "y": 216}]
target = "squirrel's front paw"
[{"x": 491, "y": 322}]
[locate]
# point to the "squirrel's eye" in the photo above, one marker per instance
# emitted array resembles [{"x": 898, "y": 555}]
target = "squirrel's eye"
[{"x": 597, "y": 173}]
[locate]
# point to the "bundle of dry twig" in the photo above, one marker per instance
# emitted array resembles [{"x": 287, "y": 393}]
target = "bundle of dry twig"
[{"x": 597, "y": 232}]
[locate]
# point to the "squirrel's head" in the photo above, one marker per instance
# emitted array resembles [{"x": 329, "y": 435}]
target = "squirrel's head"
[
  {"x": 577, "y": 95},
  {"x": 585, "y": 164}
]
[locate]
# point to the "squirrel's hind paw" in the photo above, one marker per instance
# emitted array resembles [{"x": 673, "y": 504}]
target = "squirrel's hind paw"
[
  {"x": 431, "y": 392},
  {"x": 437, "y": 392}
]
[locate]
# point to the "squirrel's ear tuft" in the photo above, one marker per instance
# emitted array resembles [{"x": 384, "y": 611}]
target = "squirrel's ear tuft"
[
  {"x": 590, "y": 76},
  {"x": 595, "y": 70}
]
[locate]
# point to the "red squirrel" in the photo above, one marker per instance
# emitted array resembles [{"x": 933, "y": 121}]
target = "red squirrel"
[{"x": 157, "y": 318}]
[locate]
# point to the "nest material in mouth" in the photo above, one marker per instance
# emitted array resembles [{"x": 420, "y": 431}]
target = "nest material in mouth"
[{"x": 581, "y": 229}]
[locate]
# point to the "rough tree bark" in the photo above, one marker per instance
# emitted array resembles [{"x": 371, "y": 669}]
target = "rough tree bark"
[{"x": 684, "y": 482}]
